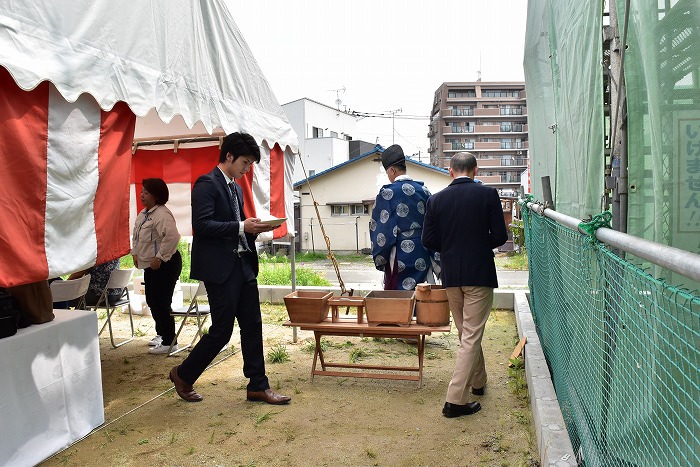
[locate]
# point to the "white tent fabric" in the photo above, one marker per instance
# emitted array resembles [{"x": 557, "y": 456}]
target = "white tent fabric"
[
  {"x": 184, "y": 71},
  {"x": 181, "y": 57}
]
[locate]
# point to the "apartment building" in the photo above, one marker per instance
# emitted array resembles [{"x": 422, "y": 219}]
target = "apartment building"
[{"x": 488, "y": 119}]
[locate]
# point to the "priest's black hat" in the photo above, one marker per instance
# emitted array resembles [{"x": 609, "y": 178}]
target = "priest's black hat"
[{"x": 392, "y": 155}]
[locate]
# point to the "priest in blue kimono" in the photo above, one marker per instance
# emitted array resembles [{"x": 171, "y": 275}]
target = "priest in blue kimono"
[{"x": 396, "y": 227}]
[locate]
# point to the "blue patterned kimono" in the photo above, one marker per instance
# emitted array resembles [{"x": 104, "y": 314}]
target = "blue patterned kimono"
[{"x": 397, "y": 224}]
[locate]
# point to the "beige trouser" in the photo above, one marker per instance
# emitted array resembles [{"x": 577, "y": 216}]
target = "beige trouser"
[{"x": 470, "y": 308}]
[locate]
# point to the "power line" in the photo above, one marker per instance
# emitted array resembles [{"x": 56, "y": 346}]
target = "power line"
[{"x": 354, "y": 113}]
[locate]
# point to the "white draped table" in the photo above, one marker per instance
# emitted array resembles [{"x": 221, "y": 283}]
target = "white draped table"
[{"x": 50, "y": 387}]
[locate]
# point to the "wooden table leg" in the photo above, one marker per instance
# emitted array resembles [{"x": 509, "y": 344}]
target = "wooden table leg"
[
  {"x": 334, "y": 313},
  {"x": 318, "y": 354},
  {"x": 421, "y": 350}
]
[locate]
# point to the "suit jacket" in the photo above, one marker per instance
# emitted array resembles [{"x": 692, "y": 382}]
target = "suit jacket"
[
  {"x": 464, "y": 222},
  {"x": 215, "y": 229}
]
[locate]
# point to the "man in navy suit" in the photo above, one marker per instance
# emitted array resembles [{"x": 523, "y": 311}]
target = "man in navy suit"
[
  {"x": 464, "y": 222},
  {"x": 224, "y": 257}
]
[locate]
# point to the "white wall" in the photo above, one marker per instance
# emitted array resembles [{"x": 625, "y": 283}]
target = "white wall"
[
  {"x": 352, "y": 184},
  {"x": 323, "y": 153}
]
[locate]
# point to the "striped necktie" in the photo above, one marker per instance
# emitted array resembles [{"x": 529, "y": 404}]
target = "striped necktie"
[{"x": 237, "y": 212}]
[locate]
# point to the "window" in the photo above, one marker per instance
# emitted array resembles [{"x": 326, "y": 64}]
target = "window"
[
  {"x": 461, "y": 111},
  {"x": 334, "y": 134},
  {"x": 317, "y": 132},
  {"x": 508, "y": 126},
  {"x": 311, "y": 172},
  {"x": 349, "y": 209},
  {"x": 511, "y": 110},
  {"x": 463, "y": 145},
  {"x": 360, "y": 209},
  {"x": 454, "y": 93},
  {"x": 500, "y": 93},
  {"x": 339, "y": 210}
]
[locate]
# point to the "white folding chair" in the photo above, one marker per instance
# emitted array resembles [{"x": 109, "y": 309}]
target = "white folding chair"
[
  {"x": 194, "y": 309},
  {"x": 72, "y": 289},
  {"x": 118, "y": 280}
]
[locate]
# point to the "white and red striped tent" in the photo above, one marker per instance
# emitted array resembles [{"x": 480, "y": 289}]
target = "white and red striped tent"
[{"x": 96, "y": 95}]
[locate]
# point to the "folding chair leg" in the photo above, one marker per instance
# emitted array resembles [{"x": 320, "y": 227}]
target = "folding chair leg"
[
  {"x": 172, "y": 352},
  {"x": 200, "y": 323},
  {"x": 108, "y": 323}
]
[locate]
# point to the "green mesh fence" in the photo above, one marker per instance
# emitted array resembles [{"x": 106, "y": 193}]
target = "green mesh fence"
[{"x": 623, "y": 349}]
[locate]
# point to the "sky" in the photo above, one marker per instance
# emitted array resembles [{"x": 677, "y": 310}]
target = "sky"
[{"x": 383, "y": 55}]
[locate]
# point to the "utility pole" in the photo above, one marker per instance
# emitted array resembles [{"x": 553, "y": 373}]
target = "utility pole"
[
  {"x": 393, "y": 113},
  {"x": 337, "y": 96}
]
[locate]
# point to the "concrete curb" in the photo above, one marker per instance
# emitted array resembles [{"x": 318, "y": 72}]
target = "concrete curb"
[{"x": 553, "y": 440}]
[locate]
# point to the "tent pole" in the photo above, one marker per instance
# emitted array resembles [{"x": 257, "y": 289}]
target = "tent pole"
[{"x": 293, "y": 253}]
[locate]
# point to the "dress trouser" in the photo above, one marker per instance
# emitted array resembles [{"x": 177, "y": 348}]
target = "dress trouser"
[
  {"x": 235, "y": 298},
  {"x": 470, "y": 308},
  {"x": 160, "y": 285}
]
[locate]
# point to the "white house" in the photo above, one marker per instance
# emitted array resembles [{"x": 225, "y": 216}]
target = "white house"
[
  {"x": 345, "y": 195},
  {"x": 324, "y": 133}
]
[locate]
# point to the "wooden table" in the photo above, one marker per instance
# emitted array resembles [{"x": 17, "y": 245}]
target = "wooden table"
[{"x": 341, "y": 326}]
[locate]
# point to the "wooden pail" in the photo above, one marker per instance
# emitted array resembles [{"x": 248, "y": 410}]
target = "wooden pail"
[{"x": 432, "y": 307}]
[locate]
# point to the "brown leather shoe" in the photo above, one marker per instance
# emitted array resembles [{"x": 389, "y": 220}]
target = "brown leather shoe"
[
  {"x": 184, "y": 390},
  {"x": 269, "y": 396}
]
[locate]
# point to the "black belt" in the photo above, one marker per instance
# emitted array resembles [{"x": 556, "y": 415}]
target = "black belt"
[{"x": 241, "y": 253}]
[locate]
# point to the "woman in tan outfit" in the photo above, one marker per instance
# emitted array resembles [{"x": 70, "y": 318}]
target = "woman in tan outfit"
[{"x": 154, "y": 248}]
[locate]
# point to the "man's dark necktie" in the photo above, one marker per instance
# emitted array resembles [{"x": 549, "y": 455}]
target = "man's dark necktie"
[{"x": 237, "y": 212}]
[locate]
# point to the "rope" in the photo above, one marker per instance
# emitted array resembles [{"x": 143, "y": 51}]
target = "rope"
[
  {"x": 343, "y": 291},
  {"x": 105, "y": 425},
  {"x": 599, "y": 220},
  {"x": 528, "y": 198}
]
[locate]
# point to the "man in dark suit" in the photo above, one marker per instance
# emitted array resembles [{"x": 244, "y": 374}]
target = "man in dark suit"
[
  {"x": 224, "y": 257},
  {"x": 464, "y": 222}
]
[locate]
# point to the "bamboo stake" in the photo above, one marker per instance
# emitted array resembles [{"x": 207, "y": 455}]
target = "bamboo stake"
[{"x": 331, "y": 256}]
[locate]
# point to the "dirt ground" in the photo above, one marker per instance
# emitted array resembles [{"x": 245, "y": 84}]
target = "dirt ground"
[{"x": 331, "y": 420}]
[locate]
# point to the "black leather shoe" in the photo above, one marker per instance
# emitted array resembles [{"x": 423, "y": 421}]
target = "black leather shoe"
[
  {"x": 184, "y": 390},
  {"x": 479, "y": 391},
  {"x": 269, "y": 396},
  {"x": 456, "y": 410}
]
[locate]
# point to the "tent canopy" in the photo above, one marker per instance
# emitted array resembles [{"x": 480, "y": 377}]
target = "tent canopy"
[
  {"x": 83, "y": 80},
  {"x": 179, "y": 57}
]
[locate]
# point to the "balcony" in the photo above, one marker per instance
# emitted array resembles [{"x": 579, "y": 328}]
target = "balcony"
[
  {"x": 467, "y": 146},
  {"x": 509, "y": 162},
  {"x": 487, "y": 112},
  {"x": 487, "y": 129},
  {"x": 459, "y": 130},
  {"x": 489, "y": 179},
  {"x": 446, "y": 113},
  {"x": 514, "y": 145},
  {"x": 480, "y": 145},
  {"x": 513, "y": 111}
]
